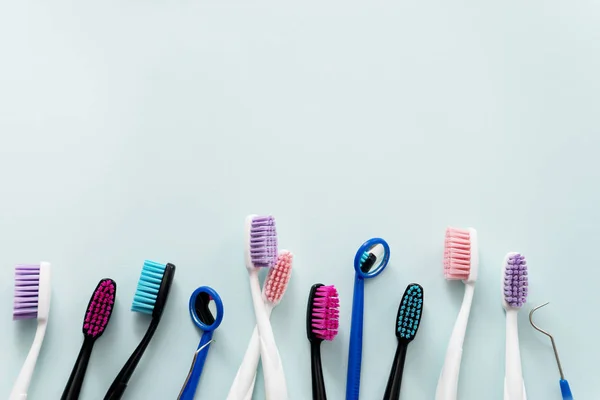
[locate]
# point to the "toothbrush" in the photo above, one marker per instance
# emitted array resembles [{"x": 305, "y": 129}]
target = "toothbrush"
[
  {"x": 97, "y": 315},
  {"x": 31, "y": 300},
  {"x": 461, "y": 261},
  {"x": 273, "y": 290},
  {"x": 514, "y": 295},
  {"x": 322, "y": 322},
  {"x": 261, "y": 252},
  {"x": 407, "y": 324},
  {"x": 150, "y": 298}
]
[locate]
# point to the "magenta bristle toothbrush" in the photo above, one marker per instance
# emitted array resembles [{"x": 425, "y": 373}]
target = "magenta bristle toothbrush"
[
  {"x": 261, "y": 252},
  {"x": 515, "y": 287},
  {"x": 273, "y": 290},
  {"x": 95, "y": 321},
  {"x": 31, "y": 300},
  {"x": 322, "y": 323}
]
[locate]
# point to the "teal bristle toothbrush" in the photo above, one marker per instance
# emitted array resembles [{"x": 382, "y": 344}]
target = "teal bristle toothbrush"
[
  {"x": 407, "y": 324},
  {"x": 150, "y": 298},
  {"x": 31, "y": 301}
]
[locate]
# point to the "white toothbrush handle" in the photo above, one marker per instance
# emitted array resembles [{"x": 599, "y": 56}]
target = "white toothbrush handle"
[
  {"x": 447, "y": 388},
  {"x": 514, "y": 387},
  {"x": 19, "y": 391},
  {"x": 243, "y": 384},
  {"x": 275, "y": 386}
]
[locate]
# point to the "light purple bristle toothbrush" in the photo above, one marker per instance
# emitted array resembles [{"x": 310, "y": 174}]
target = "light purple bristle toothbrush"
[
  {"x": 515, "y": 287},
  {"x": 31, "y": 300},
  {"x": 261, "y": 252}
]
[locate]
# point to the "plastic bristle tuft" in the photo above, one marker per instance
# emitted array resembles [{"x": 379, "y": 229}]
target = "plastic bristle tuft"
[
  {"x": 278, "y": 277},
  {"x": 148, "y": 286},
  {"x": 409, "y": 313},
  {"x": 99, "y": 309},
  {"x": 457, "y": 254},
  {"x": 363, "y": 258},
  {"x": 516, "y": 281},
  {"x": 27, "y": 286},
  {"x": 325, "y": 313},
  {"x": 263, "y": 241}
]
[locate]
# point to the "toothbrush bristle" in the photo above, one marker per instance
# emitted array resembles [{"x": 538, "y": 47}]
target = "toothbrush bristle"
[
  {"x": 410, "y": 312},
  {"x": 100, "y": 308},
  {"x": 263, "y": 241},
  {"x": 516, "y": 281},
  {"x": 27, "y": 286},
  {"x": 278, "y": 277},
  {"x": 457, "y": 254},
  {"x": 148, "y": 286},
  {"x": 325, "y": 313}
]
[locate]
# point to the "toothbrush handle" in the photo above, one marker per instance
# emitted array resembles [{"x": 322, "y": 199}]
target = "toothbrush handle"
[
  {"x": 392, "y": 390},
  {"x": 119, "y": 385},
  {"x": 243, "y": 384},
  {"x": 73, "y": 386},
  {"x": 513, "y": 382},
  {"x": 447, "y": 388},
  {"x": 565, "y": 390},
  {"x": 189, "y": 390},
  {"x": 275, "y": 385},
  {"x": 356, "y": 336},
  {"x": 318, "y": 383},
  {"x": 19, "y": 390}
]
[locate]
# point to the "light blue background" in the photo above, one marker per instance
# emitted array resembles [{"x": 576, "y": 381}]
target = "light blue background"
[{"x": 145, "y": 129}]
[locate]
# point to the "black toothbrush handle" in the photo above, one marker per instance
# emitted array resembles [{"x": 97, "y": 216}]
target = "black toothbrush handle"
[
  {"x": 119, "y": 385},
  {"x": 75, "y": 381},
  {"x": 318, "y": 383},
  {"x": 392, "y": 390}
]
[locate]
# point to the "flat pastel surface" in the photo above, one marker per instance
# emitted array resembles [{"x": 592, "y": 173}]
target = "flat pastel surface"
[{"x": 150, "y": 130}]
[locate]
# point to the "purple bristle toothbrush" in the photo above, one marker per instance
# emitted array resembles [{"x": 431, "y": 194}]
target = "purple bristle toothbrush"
[
  {"x": 31, "y": 300},
  {"x": 514, "y": 295},
  {"x": 97, "y": 315},
  {"x": 261, "y": 252}
]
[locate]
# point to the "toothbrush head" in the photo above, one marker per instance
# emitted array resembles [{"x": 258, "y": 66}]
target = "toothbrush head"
[
  {"x": 99, "y": 309},
  {"x": 323, "y": 312},
  {"x": 410, "y": 313},
  {"x": 32, "y": 291},
  {"x": 514, "y": 281},
  {"x": 460, "y": 254},
  {"x": 278, "y": 277},
  {"x": 369, "y": 258},
  {"x": 261, "y": 241},
  {"x": 153, "y": 288}
]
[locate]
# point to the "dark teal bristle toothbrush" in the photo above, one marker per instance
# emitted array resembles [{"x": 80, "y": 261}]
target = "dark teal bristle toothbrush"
[{"x": 408, "y": 321}]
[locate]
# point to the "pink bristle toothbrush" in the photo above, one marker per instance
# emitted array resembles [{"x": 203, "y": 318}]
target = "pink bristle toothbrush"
[
  {"x": 274, "y": 288},
  {"x": 322, "y": 323},
  {"x": 97, "y": 315},
  {"x": 460, "y": 263},
  {"x": 31, "y": 300},
  {"x": 261, "y": 252}
]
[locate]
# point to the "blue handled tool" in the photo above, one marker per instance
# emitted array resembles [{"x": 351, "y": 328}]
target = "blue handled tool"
[
  {"x": 204, "y": 320},
  {"x": 564, "y": 385},
  {"x": 370, "y": 260}
]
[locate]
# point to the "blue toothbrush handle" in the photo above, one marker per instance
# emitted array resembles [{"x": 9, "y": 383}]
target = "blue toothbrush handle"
[
  {"x": 356, "y": 337},
  {"x": 565, "y": 390},
  {"x": 189, "y": 390}
]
